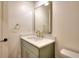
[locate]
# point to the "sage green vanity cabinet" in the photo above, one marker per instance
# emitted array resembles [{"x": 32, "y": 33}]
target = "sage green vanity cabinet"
[{"x": 30, "y": 51}]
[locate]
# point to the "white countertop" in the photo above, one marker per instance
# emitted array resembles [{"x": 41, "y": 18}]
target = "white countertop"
[{"x": 39, "y": 42}]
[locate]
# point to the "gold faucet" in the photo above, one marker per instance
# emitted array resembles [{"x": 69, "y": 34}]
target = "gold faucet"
[{"x": 39, "y": 34}]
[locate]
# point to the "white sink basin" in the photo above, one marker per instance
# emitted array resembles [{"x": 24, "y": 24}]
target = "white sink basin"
[
  {"x": 34, "y": 38},
  {"x": 36, "y": 41}
]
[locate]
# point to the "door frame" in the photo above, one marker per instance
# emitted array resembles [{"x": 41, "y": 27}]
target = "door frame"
[
  {"x": 4, "y": 29},
  {"x": 1, "y": 17}
]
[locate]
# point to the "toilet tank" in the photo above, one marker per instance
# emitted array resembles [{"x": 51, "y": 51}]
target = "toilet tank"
[{"x": 69, "y": 54}]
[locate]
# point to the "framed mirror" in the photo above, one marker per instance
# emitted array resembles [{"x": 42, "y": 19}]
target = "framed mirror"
[{"x": 43, "y": 18}]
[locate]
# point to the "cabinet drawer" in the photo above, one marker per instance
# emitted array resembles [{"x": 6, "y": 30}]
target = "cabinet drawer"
[{"x": 30, "y": 47}]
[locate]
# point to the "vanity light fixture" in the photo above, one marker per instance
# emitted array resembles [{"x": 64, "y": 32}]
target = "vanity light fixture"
[{"x": 46, "y": 4}]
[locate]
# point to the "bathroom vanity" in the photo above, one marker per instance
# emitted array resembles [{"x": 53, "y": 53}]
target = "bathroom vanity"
[
  {"x": 38, "y": 46},
  {"x": 34, "y": 47}
]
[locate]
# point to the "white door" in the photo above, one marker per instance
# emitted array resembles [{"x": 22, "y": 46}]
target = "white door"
[{"x": 3, "y": 45}]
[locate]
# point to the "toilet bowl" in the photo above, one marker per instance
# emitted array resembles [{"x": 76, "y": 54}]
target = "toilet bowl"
[{"x": 69, "y": 54}]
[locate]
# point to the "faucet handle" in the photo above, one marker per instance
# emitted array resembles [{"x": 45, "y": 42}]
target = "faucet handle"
[{"x": 38, "y": 33}]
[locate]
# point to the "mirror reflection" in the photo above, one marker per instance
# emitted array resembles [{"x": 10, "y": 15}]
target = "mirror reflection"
[{"x": 43, "y": 18}]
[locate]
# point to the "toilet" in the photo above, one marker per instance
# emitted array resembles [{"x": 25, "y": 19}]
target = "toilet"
[{"x": 69, "y": 54}]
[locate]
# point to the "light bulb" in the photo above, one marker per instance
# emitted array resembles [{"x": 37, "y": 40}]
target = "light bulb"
[{"x": 46, "y": 4}]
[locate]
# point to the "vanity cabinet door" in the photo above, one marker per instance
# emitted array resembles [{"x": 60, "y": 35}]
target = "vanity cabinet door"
[
  {"x": 26, "y": 53},
  {"x": 29, "y": 51}
]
